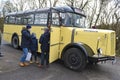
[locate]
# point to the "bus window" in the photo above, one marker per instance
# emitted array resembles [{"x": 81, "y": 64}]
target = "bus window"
[
  {"x": 55, "y": 19},
  {"x": 73, "y": 20},
  {"x": 6, "y": 19},
  {"x": 11, "y": 19},
  {"x": 66, "y": 19},
  {"x": 18, "y": 20},
  {"x": 41, "y": 18},
  {"x": 28, "y": 19},
  {"x": 79, "y": 21}
]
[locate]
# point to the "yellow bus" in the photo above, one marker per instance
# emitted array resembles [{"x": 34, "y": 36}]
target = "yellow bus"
[{"x": 70, "y": 40}]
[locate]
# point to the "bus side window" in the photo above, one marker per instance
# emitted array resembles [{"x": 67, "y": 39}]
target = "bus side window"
[
  {"x": 25, "y": 21},
  {"x": 55, "y": 19},
  {"x": 28, "y": 19},
  {"x": 6, "y": 19},
  {"x": 18, "y": 20},
  {"x": 41, "y": 18},
  {"x": 11, "y": 20},
  {"x": 68, "y": 19},
  {"x": 31, "y": 19}
]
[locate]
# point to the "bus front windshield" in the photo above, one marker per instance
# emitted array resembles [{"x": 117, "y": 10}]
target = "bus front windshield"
[{"x": 73, "y": 20}]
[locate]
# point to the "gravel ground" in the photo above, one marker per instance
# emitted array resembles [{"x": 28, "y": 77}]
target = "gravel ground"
[{"x": 10, "y": 70}]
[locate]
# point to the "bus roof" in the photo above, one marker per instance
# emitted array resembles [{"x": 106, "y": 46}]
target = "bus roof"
[
  {"x": 60, "y": 9},
  {"x": 70, "y": 9}
]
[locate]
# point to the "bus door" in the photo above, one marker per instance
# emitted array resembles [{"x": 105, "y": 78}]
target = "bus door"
[{"x": 54, "y": 38}]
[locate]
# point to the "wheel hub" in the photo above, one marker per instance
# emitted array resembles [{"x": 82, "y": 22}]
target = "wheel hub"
[{"x": 74, "y": 60}]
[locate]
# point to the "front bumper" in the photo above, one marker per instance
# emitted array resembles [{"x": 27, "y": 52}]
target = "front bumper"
[{"x": 100, "y": 59}]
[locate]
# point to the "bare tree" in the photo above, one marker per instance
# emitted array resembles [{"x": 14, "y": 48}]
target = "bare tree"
[
  {"x": 93, "y": 13},
  {"x": 100, "y": 10},
  {"x": 70, "y": 2},
  {"x": 20, "y": 5},
  {"x": 53, "y": 3},
  {"x": 111, "y": 11},
  {"x": 84, "y": 4},
  {"x": 8, "y": 7},
  {"x": 117, "y": 11},
  {"x": 104, "y": 15},
  {"x": 77, "y": 3},
  {"x": 42, "y": 3},
  {"x": 32, "y": 4}
]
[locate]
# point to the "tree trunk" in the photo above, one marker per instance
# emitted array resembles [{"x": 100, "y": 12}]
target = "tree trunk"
[{"x": 101, "y": 5}]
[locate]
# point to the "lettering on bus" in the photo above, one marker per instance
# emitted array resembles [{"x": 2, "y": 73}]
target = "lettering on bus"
[{"x": 90, "y": 31}]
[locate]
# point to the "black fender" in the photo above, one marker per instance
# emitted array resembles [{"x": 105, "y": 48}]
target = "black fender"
[{"x": 83, "y": 47}]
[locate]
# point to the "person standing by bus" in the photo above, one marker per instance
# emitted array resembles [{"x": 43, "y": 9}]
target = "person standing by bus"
[
  {"x": 0, "y": 43},
  {"x": 45, "y": 43},
  {"x": 25, "y": 44},
  {"x": 34, "y": 48}
]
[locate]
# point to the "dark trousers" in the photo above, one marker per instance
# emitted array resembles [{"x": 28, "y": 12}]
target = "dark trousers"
[
  {"x": 34, "y": 54},
  {"x": 45, "y": 57},
  {"x": 0, "y": 51}
]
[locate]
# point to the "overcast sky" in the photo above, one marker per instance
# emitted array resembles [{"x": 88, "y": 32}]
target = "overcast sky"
[{"x": 1, "y": 3}]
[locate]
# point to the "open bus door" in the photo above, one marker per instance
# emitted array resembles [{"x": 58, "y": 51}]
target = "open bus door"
[
  {"x": 54, "y": 38},
  {"x": 54, "y": 44}
]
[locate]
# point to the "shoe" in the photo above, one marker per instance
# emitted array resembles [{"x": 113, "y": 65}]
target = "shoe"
[
  {"x": 40, "y": 66},
  {"x": 36, "y": 62},
  {"x": 21, "y": 64},
  {"x": 26, "y": 64},
  {"x": 31, "y": 62}
]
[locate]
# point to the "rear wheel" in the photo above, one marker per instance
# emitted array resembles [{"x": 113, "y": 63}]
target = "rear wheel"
[
  {"x": 75, "y": 59},
  {"x": 15, "y": 42}
]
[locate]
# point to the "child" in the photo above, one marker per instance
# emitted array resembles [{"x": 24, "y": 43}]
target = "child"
[{"x": 34, "y": 47}]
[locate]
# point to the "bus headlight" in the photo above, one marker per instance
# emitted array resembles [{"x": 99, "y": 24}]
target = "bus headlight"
[{"x": 99, "y": 50}]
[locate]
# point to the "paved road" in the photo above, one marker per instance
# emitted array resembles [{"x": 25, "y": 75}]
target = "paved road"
[{"x": 9, "y": 69}]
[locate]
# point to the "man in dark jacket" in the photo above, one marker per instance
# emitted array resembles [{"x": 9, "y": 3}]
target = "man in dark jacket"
[
  {"x": 44, "y": 41},
  {"x": 25, "y": 44}
]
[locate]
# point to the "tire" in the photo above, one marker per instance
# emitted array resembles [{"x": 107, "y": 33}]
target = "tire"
[
  {"x": 75, "y": 59},
  {"x": 15, "y": 42}
]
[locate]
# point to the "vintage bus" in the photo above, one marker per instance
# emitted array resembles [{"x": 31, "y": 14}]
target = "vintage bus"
[{"x": 70, "y": 40}]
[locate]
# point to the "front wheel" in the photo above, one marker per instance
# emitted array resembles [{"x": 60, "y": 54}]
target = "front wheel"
[
  {"x": 15, "y": 42},
  {"x": 75, "y": 59}
]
